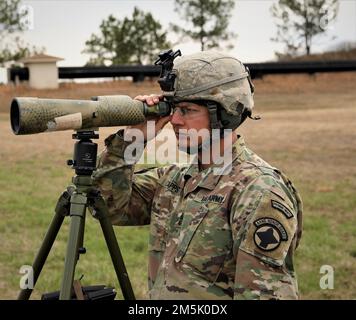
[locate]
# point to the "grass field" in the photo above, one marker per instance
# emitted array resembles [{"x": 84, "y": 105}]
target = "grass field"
[{"x": 308, "y": 129}]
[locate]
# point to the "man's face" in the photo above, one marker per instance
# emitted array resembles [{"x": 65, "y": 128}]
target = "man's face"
[{"x": 191, "y": 124}]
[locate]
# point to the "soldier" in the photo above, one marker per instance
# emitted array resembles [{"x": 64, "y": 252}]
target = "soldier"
[{"x": 212, "y": 236}]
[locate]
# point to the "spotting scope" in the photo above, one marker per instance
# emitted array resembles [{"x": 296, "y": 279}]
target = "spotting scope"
[{"x": 34, "y": 115}]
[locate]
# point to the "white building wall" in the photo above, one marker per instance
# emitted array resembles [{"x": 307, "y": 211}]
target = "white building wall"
[
  {"x": 43, "y": 75},
  {"x": 3, "y": 76}
]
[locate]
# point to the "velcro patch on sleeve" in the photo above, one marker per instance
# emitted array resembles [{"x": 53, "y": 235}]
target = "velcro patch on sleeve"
[
  {"x": 279, "y": 206},
  {"x": 268, "y": 233}
]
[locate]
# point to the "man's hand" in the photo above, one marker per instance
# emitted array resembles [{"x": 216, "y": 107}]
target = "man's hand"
[{"x": 160, "y": 122}]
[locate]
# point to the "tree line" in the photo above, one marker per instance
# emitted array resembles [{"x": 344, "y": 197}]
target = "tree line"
[{"x": 139, "y": 38}]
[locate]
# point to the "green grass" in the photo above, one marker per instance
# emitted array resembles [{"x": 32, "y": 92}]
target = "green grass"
[
  {"x": 328, "y": 239},
  {"x": 29, "y": 192}
]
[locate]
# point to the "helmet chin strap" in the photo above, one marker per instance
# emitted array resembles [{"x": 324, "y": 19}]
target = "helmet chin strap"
[{"x": 215, "y": 123}]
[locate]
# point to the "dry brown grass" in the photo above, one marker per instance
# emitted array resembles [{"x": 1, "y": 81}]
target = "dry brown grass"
[{"x": 326, "y": 56}]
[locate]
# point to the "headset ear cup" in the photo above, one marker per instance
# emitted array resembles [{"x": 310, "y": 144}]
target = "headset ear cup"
[{"x": 229, "y": 121}]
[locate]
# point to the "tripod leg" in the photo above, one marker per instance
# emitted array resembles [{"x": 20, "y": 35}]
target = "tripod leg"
[
  {"x": 77, "y": 213},
  {"x": 47, "y": 243},
  {"x": 81, "y": 248},
  {"x": 113, "y": 246}
]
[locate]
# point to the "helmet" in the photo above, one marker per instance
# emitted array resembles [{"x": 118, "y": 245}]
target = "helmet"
[{"x": 217, "y": 80}]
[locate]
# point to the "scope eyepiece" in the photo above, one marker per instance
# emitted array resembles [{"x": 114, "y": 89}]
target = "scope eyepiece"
[{"x": 162, "y": 108}]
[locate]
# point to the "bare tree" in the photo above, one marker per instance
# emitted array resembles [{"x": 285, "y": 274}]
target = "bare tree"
[{"x": 299, "y": 22}]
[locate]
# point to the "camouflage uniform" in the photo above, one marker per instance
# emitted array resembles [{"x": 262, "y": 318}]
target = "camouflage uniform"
[{"x": 211, "y": 236}]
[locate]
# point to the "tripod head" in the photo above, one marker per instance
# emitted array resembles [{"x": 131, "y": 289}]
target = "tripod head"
[{"x": 85, "y": 152}]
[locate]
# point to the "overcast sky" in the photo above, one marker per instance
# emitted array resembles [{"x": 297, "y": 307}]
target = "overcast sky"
[{"x": 62, "y": 27}]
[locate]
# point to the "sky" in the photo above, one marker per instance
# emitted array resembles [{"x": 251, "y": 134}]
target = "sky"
[{"x": 62, "y": 27}]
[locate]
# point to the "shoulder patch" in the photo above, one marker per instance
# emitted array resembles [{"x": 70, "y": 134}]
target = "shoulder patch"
[
  {"x": 282, "y": 208},
  {"x": 269, "y": 234}
]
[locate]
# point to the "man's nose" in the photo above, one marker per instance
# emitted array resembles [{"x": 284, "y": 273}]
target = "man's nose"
[{"x": 177, "y": 118}]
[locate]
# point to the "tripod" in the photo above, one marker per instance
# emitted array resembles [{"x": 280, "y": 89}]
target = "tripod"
[{"x": 73, "y": 203}]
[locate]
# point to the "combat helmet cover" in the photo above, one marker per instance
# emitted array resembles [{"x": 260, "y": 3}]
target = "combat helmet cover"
[{"x": 213, "y": 76}]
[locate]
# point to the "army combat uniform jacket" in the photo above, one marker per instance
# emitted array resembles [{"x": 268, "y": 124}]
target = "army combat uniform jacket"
[{"x": 211, "y": 236}]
